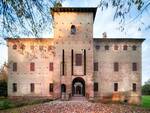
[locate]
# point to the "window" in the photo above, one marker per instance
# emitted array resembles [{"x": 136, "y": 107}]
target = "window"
[
  {"x": 14, "y": 87},
  {"x": 32, "y": 66},
  {"x": 97, "y": 47},
  {"x": 73, "y": 29},
  {"x": 106, "y": 47},
  {"x": 40, "y": 48},
  {"x": 63, "y": 88},
  {"x": 115, "y": 86},
  {"x": 14, "y": 66},
  {"x": 95, "y": 86},
  {"x": 125, "y": 47},
  {"x": 95, "y": 66},
  {"x": 116, "y": 66},
  {"x": 14, "y": 46},
  {"x": 22, "y": 46},
  {"x": 32, "y": 87},
  {"x": 78, "y": 59},
  {"x": 51, "y": 66},
  {"x": 134, "y": 66},
  {"x": 133, "y": 47},
  {"x": 134, "y": 87},
  {"x": 51, "y": 87},
  {"x": 32, "y": 47},
  {"x": 116, "y": 47}
]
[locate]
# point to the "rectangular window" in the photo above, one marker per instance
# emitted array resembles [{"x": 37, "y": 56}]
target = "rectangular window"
[
  {"x": 78, "y": 59},
  {"x": 32, "y": 66},
  {"x": 115, "y": 86},
  {"x": 14, "y": 87},
  {"x": 51, "y": 66},
  {"x": 95, "y": 66},
  {"x": 51, "y": 87},
  {"x": 134, "y": 66},
  {"x": 106, "y": 47},
  {"x": 116, "y": 66},
  {"x": 32, "y": 87},
  {"x": 95, "y": 86},
  {"x": 134, "y": 87},
  {"x": 14, "y": 66}
]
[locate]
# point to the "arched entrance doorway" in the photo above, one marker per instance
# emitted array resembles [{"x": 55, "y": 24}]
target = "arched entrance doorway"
[{"x": 78, "y": 87}]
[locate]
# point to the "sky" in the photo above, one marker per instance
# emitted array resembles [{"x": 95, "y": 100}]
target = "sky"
[{"x": 104, "y": 23}]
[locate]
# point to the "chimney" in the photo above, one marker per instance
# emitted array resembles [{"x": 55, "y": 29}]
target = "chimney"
[{"x": 104, "y": 35}]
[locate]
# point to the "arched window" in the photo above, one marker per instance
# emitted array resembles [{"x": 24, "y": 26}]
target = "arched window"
[
  {"x": 63, "y": 88},
  {"x": 73, "y": 29}
]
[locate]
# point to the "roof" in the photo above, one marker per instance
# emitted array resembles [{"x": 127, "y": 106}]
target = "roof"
[
  {"x": 118, "y": 39},
  {"x": 76, "y": 9}
]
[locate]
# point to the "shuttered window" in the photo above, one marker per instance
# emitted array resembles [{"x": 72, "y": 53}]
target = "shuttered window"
[
  {"x": 116, "y": 66},
  {"x": 134, "y": 66},
  {"x": 51, "y": 87},
  {"x": 95, "y": 66},
  {"x": 125, "y": 47},
  {"x": 32, "y": 66},
  {"x": 15, "y": 66},
  {"x": 51, "y": 68},
  {"x": 32, "y": 87},
  {"x": 78, "y": 59}
]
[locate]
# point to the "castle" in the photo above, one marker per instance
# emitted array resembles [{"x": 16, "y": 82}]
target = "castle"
[{"x": 73, "y": 63}]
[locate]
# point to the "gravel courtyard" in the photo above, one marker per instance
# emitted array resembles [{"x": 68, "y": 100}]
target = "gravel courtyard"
[{"x": 77, "y": 107}]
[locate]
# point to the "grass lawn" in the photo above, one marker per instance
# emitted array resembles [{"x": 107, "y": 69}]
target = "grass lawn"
[
  {"x": 6, "y": 103},
  {"x": 145, "y": 101}
]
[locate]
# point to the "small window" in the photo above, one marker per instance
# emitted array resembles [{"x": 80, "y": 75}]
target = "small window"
[
  {"x": 51, "y": 87},
  {"x": 51, "y": 66},
  {"x": 14, "y": 46},
  {"x": 32, "y": 66},
  {"x": 115, "y": 86},
  {"x": 134, "y": 47},
  {"x": 32, "y": 87},
  {"x": 116, "y": 47},
  {"x": 14, "y": 66},
  {"x": 73, "y": 29},
  {"x": 95, "y": 66},
  {"x": 125, "y": 47},
  {"x": 32, "y": 47},
  {"x": 40, "y": 48},
  {"x": 78, "y": 59},
  {"x": 134, "y": 87},
  {"x": 14, "y": 87},
  {"x": 116, "y": 66},
  {"x": 95, "y": 86},
  {"x": 97, "y": 47},
  {"x": 22, "y": 46},
  {"x": 106, "y": 47},
  {"x": 134, "y": 66}
]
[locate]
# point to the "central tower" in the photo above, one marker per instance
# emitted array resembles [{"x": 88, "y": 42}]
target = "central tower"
[{"x": 73, "y": 37}]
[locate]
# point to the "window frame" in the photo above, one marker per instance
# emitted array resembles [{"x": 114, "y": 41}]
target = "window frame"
[
  {"x": 116, "y": 66},
  {"x": 14, "y": 87},
  {"x": 51, "y": 66},
  {"x": 32, "y": 87},
  {"x": 95, "y": 86},
  {"x": 14, "y": 67},
  {"x": 95, "y": 66}
]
